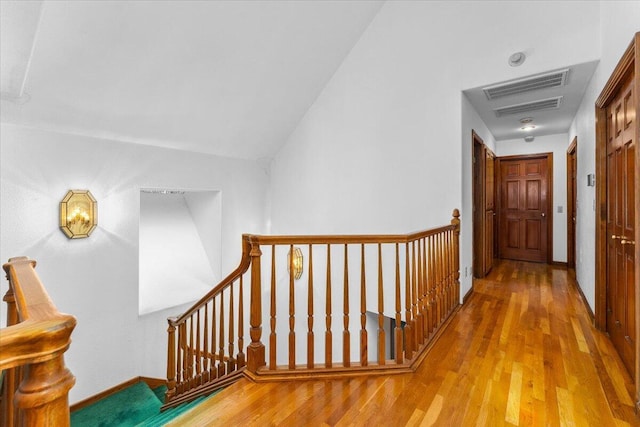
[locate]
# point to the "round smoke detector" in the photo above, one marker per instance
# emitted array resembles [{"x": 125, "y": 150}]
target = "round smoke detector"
[{"x": 517, "y": 59}]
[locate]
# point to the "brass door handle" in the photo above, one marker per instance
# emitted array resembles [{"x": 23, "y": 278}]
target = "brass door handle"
[
  {"x": 627, "y": 242},
  {"x": 614, "y": 237}
]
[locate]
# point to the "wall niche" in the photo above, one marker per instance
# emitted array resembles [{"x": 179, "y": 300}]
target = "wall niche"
[{"x": 179, "y": 247}]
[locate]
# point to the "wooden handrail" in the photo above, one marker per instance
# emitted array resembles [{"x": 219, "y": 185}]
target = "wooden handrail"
[
  {"x": 345, "y": 238},
  {"x": 413, "y": 279},
  {"x": 32, "y": 350}
]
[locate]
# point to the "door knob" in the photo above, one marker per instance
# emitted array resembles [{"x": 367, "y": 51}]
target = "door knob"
[
  {"x": 543, "y": 214},
  {"x": 627, "y": 242},
  {"x": 614, "y": 237}
]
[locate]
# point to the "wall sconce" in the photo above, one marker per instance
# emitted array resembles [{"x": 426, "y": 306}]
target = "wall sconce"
[
  {"x": 78, "y": 214},
  {"x": 296, "y": 263}
]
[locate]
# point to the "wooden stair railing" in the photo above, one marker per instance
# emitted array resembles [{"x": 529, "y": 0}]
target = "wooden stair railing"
[
  {"x": 36, "y": 381},
  {"x": 382, "y": 299},
  {"x": 206, "y": 343}
]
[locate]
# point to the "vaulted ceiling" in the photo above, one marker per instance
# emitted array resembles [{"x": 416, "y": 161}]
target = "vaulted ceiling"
[{"x": 231, "y": 78}]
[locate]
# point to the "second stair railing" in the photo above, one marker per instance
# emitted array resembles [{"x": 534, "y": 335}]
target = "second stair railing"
[{"x": 318, "y": 306}]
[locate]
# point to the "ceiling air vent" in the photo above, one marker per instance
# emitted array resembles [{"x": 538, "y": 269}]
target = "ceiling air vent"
[
  {"x": 527, "y": 107},
  {"x": 528, "y": 84}
]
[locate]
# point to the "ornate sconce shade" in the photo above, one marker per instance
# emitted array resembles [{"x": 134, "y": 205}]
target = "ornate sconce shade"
[
  {"x": 295, "y": 263},
  {"x": 78, "y": 214}
]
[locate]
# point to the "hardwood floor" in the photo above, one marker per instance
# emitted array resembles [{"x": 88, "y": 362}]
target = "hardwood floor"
[{"x": 522, "y": 351}]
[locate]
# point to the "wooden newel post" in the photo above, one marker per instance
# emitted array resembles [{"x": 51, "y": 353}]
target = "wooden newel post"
[
  {"x": 43, "y": 395},
  {"x": 171, "y": 361},
  {"x": 456, "y": 253},
  {"x": 255, "y": 350},
  {"x": 11, "y": 378}
]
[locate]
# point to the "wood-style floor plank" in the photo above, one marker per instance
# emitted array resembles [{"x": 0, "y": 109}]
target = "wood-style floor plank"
[{"x": 521, "y": 352}]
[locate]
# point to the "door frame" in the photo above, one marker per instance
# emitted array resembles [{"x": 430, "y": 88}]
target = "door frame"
[
  {"x": 477, "y": 200},
  {"x": 548, "y": 213},
  {"x": 572, "y": 197},
  {"x": 630, "y": 62},
  {"x": 479, "y": 197}
]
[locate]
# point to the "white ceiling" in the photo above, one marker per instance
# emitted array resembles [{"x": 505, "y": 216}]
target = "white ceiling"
[
  {"x": 231, "y": 78},
  {"x": 547, "y": 122}
]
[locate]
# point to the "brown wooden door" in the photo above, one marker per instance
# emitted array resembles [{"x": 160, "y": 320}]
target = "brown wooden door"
[
  {"x": 621, "y": 146},
  {"x": 524, "y": 207},
  {"x": 572, "y": 170},
  {"x": 483, "y": 207},
  {"x": 489, "y": 211}
]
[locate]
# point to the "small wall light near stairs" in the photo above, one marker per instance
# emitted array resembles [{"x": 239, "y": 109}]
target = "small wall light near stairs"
[
  {"x": 78, "y": 214},
  {"x": 294, "y": 262}
]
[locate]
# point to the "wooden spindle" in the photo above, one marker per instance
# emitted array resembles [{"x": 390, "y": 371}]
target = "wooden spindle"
[
  {"x": 179, "y": 357},
  {"x": 456, "y": 254},
  {"x": 415, "y": 302},
  {"x": 449, "y": 245},
  {"x": 190, "y": 354},
  {"x": 421, "y": 303},
  {"x": 364, "y": 356},
  {"x": 213, "y": 371},
  {"x": 434, "y": 283},
  {"x": 408, "y": 328},
  {"x": 197, "y": 352},
  {"x": 398, "y": 329},
  {"x": 292, "y": 312},
  {"x": 440, "y": 281},
  {"x": 231, "y": 365},
  {"x": 447, "y": 272},
  {"x": 272, "y": 335},
  {"x": 310, "y": 337},
  {"x": 381, "y": 335},
  {"x": 346, "y": 336},
  {"x": 328, "y": 339},
  {"x": 205, "y": 346},
  {"x": 443, "y": 267},
  {"x": 171, "y": 362},
  {"x": 255, "y": 351},
  {"x": 427, "y": 307},
  {"x": 221, "y": 364},
  {"x": 241, "y": 357},
  {"x": 429, "y": 279},
  {"x": 445, "y": 260}
]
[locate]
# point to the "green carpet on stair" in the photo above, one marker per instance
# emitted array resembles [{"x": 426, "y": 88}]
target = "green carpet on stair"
[
  {"x": 159, "y": 392},
  {"x": 128, "y": 407},
  {"x": 168, "y": 415},
  {"x": 135, "y": 406}
]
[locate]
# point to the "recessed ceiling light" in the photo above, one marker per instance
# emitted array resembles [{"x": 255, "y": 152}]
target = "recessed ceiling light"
[
  {"x": 526, "y": 120},
  {"x": 528, "y": 128},
  {"x": 517, "y": 59},
  {"x": 529, "y": 138}
]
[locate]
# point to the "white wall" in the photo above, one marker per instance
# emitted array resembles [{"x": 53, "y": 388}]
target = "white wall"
[
  {"x": 96, "y": 279},
  {"x": 619, "y": 21},
  {"x": 386, "y": 146},
  {"x": 556, "y": 144}
]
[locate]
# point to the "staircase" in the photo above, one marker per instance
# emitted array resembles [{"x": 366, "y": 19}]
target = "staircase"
[
  {"x": 363, "y": 305},
  {"x": 318, "y": 307},
  {"x": 135, "y": 406}
]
